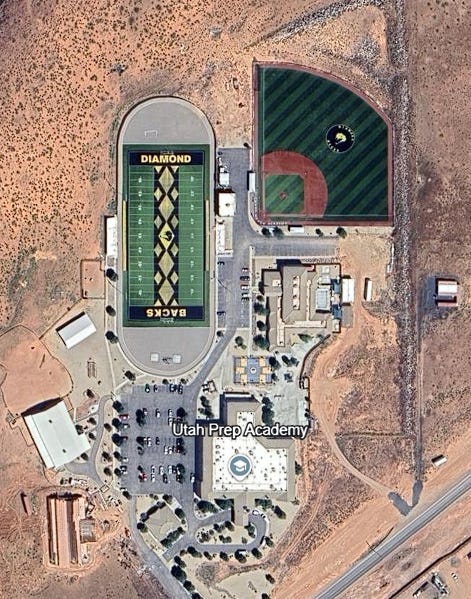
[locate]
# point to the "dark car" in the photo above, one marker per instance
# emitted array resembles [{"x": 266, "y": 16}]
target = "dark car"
[
  {"x": 157, "y": 440},
  {"x": 156, "y": 388},
  {"x": 165, "y": 478},
  {"x": 147, "y": 388},
  {"x": 172, "y": 388}
]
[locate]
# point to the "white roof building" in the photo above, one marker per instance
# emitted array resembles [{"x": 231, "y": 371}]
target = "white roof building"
[
  {"x": 348, "y": 291},
  {"x": 55, "y": 435},
  {"x": 445, "y": 287},
  {"x": 226, "y": 204},
  {"x": 76, "y": 330}
]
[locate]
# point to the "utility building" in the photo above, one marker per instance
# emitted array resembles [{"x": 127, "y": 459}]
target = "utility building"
[
  {"x": 54, "y": 434},
  {"x": 76, "y": 330}
]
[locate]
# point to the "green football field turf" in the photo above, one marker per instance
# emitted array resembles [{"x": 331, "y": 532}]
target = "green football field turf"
[
  {"x": 295, "y": 111},
  {"x": 283, "y": 194},
  {"x": 165, "y": 238}
]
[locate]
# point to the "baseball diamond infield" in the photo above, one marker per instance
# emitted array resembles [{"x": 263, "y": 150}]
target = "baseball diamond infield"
[
  {"x": 165, "y": 298},
  {"x": 333, "y": 137}
]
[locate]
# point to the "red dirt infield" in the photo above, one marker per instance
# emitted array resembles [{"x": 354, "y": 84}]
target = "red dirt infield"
[{"x": 283, "y": 162}]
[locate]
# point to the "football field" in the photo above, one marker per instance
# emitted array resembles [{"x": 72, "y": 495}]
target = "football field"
[{"x": 164, "y": 263}]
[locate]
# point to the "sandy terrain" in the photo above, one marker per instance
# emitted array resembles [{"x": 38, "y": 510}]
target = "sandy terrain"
[
  {"x": 28, "y": 372},
  {"x": 61, "y": 102},
  {"x": 443, "y": 179},
  {"x": 440, "y": 537}
]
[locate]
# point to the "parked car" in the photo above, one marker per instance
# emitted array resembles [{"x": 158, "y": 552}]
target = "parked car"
[
  {"x": 165, "y": 478},
  {"x": 161, "y": 469},
  {"x": 157, "y": 413},
  {"x": 124, "y": 416},
  {"x": 147, "y": 388}
]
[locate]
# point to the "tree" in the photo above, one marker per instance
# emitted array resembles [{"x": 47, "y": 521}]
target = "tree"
[
  {"x": 189, "y": 586},
  {"x": 107, "y": 471},
  {"x": 261, "y": 341},
  {"x": 118, "y": 406},
  {"x": 179, "y": 513},
  {"x": 178, "y": 573},
  {"x": 117, "y": 439},
  {"x": 110, "y": 310},
  {"x": 261, "y": 326},
  {"x": 111, "y": 274},
  {"x": 256, "y": 553},
  {"x": 274, "y": 363},
  {"x": 239, "y": 341},
  {"x": 278, "y": 233},
  {"x": 116, "y": 422},
  {"x": 79, "y": 428},
  {"x": 265, "y": 232},
  {"x": 341, "y": 232},
  {"x": 268, "y": 415},
  {"x": 223, "y": 555},
  {"x": 111, "y": 337},
  {"x": 319, "y": 233},
  {"x": 279, "y": 512},
  {"x": 107, "y": 426},
  {"x": 305, "y": 338},
  {"x": 142, "y": 526},
  {"x": 92, "y": 421},
  {"x": 84, "y": 457},
  {"x": 240, "y": 557},
  {"x": 260, "y": 309},
  {"x": 298, "y": 468}
]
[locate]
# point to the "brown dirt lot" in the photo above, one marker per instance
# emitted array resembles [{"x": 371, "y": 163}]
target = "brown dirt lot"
[
  {"x": 60, "y": 105},
  {"x": 28, "y": 372},
  {"x": 441, "y": 78},
  {"x": 440, "y": 537}
]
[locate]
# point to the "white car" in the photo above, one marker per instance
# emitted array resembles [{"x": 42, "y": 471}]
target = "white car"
[{"x": 152, "y": 469}]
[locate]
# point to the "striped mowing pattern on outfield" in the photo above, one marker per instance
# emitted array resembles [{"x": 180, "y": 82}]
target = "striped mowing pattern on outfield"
[
  {"x": 295, "y": 110},
  {"x": 283, "y": 194}
]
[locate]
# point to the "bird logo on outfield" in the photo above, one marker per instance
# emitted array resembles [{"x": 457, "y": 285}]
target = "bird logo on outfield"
[{"x": 339, "y": 138}]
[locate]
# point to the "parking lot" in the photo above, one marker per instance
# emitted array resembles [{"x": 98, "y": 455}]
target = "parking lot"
[
  {"x": 233, "y": 290},
  {"x": 150, "y": 458}
]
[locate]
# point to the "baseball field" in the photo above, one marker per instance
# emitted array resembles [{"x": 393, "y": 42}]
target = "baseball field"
[
  {"x": 165, "y": 270},
  {"x": 322, "y": 150}
]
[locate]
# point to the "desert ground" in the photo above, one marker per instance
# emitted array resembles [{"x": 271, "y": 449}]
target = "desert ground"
[{"x": 69, "y": 74}]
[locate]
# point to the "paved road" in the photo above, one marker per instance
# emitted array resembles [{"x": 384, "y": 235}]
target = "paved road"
[
  {"x": 88, "y": 468},
  {"x": 150, "y": 559},
  {"x": 415, "y": 522}
]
